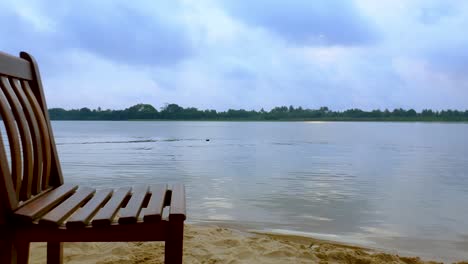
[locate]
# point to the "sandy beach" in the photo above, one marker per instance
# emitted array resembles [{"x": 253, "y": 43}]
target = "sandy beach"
[{"x": 212, "y": 244}]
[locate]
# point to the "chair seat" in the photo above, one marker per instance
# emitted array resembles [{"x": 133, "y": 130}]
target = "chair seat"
[{"x": 71, "y": 207}]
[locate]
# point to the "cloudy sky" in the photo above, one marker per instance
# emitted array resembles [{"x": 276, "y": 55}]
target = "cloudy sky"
[{"x": 222, "y": 54}]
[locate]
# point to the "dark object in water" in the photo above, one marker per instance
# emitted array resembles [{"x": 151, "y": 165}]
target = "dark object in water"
[{"x": 207, "y": 139}]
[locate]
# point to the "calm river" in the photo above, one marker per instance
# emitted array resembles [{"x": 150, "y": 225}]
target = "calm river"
[{"x": 397, "y": 186}]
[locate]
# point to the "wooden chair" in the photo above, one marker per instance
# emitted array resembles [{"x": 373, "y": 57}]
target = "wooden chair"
[{"x": 36, "y": 205}]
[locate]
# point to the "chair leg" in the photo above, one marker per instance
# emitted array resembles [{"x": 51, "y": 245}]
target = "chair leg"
[
  {"x": 12, "y": 251},
  {"x": 54, "y": 252},
  {"x": 8, "y": 252},
  {"x": 22, "y": 252},
  {"x": 173, "y": 250}
]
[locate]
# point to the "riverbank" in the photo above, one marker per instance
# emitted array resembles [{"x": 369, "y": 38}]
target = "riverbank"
[
  {"x": 362, "y": 120},
  {"x": 211, "y": 244}
]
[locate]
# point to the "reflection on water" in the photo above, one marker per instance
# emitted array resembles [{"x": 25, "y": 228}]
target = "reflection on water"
[{"x": 388, "y": 184}]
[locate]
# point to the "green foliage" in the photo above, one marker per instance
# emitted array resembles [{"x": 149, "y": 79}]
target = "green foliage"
[{"x": 176, "y": 112}]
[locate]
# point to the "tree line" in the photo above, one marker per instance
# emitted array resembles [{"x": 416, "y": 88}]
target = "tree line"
[{"x": 282, "y": 113}]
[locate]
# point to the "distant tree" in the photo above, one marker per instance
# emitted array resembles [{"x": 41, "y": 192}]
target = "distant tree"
[
  {"x": 411, "y": 113},
  {"x": 176, "y": 112},
  {"x": 85, "y": 110},
  {"x": 58, "y": 114},
  {"x": 324, "y": 109},
  {"x": 141, "y": 111},
  {"x": 173, "y": 108},
  {"x": 427, "y": 113}
]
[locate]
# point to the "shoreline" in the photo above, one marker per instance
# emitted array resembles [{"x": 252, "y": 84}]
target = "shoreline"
[
  {"x": 216, "y": 244},
  {"x": 274, "y": 121}
]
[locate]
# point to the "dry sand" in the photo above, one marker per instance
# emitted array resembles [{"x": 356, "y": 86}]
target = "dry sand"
[{"x": 204, "y": 244}]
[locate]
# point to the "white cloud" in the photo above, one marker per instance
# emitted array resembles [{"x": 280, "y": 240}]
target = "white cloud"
[{"x": 199, "y": 53}]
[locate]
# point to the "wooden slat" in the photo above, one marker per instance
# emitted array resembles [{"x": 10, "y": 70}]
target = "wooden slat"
[
  {"x": 15, "y": 67},
  {"x": 13, "y": 139},
  {"x": 83, "y": 216},
  {"x": 106, "y": 215},
  {"x": 177, "y": 207},
  {"x": 3, "y": 217},
  {"x": 35, "y": 197},
  {"x": 56, "y": 216},
  {"x": 56, "y": 178},
  {"x": 36, "y": 138},
  {"x": 129, "y": 214},
  {"x": 44, "y": 132},
  {"x": 35, "y": 209},
  {"x": 153, "y": 211},
  {"x": 6, "y": 184},
  {"x": 26, "y": 141}
]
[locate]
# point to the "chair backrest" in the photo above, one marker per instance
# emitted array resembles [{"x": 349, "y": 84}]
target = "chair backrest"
[{"x": 32, "y": 165}]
